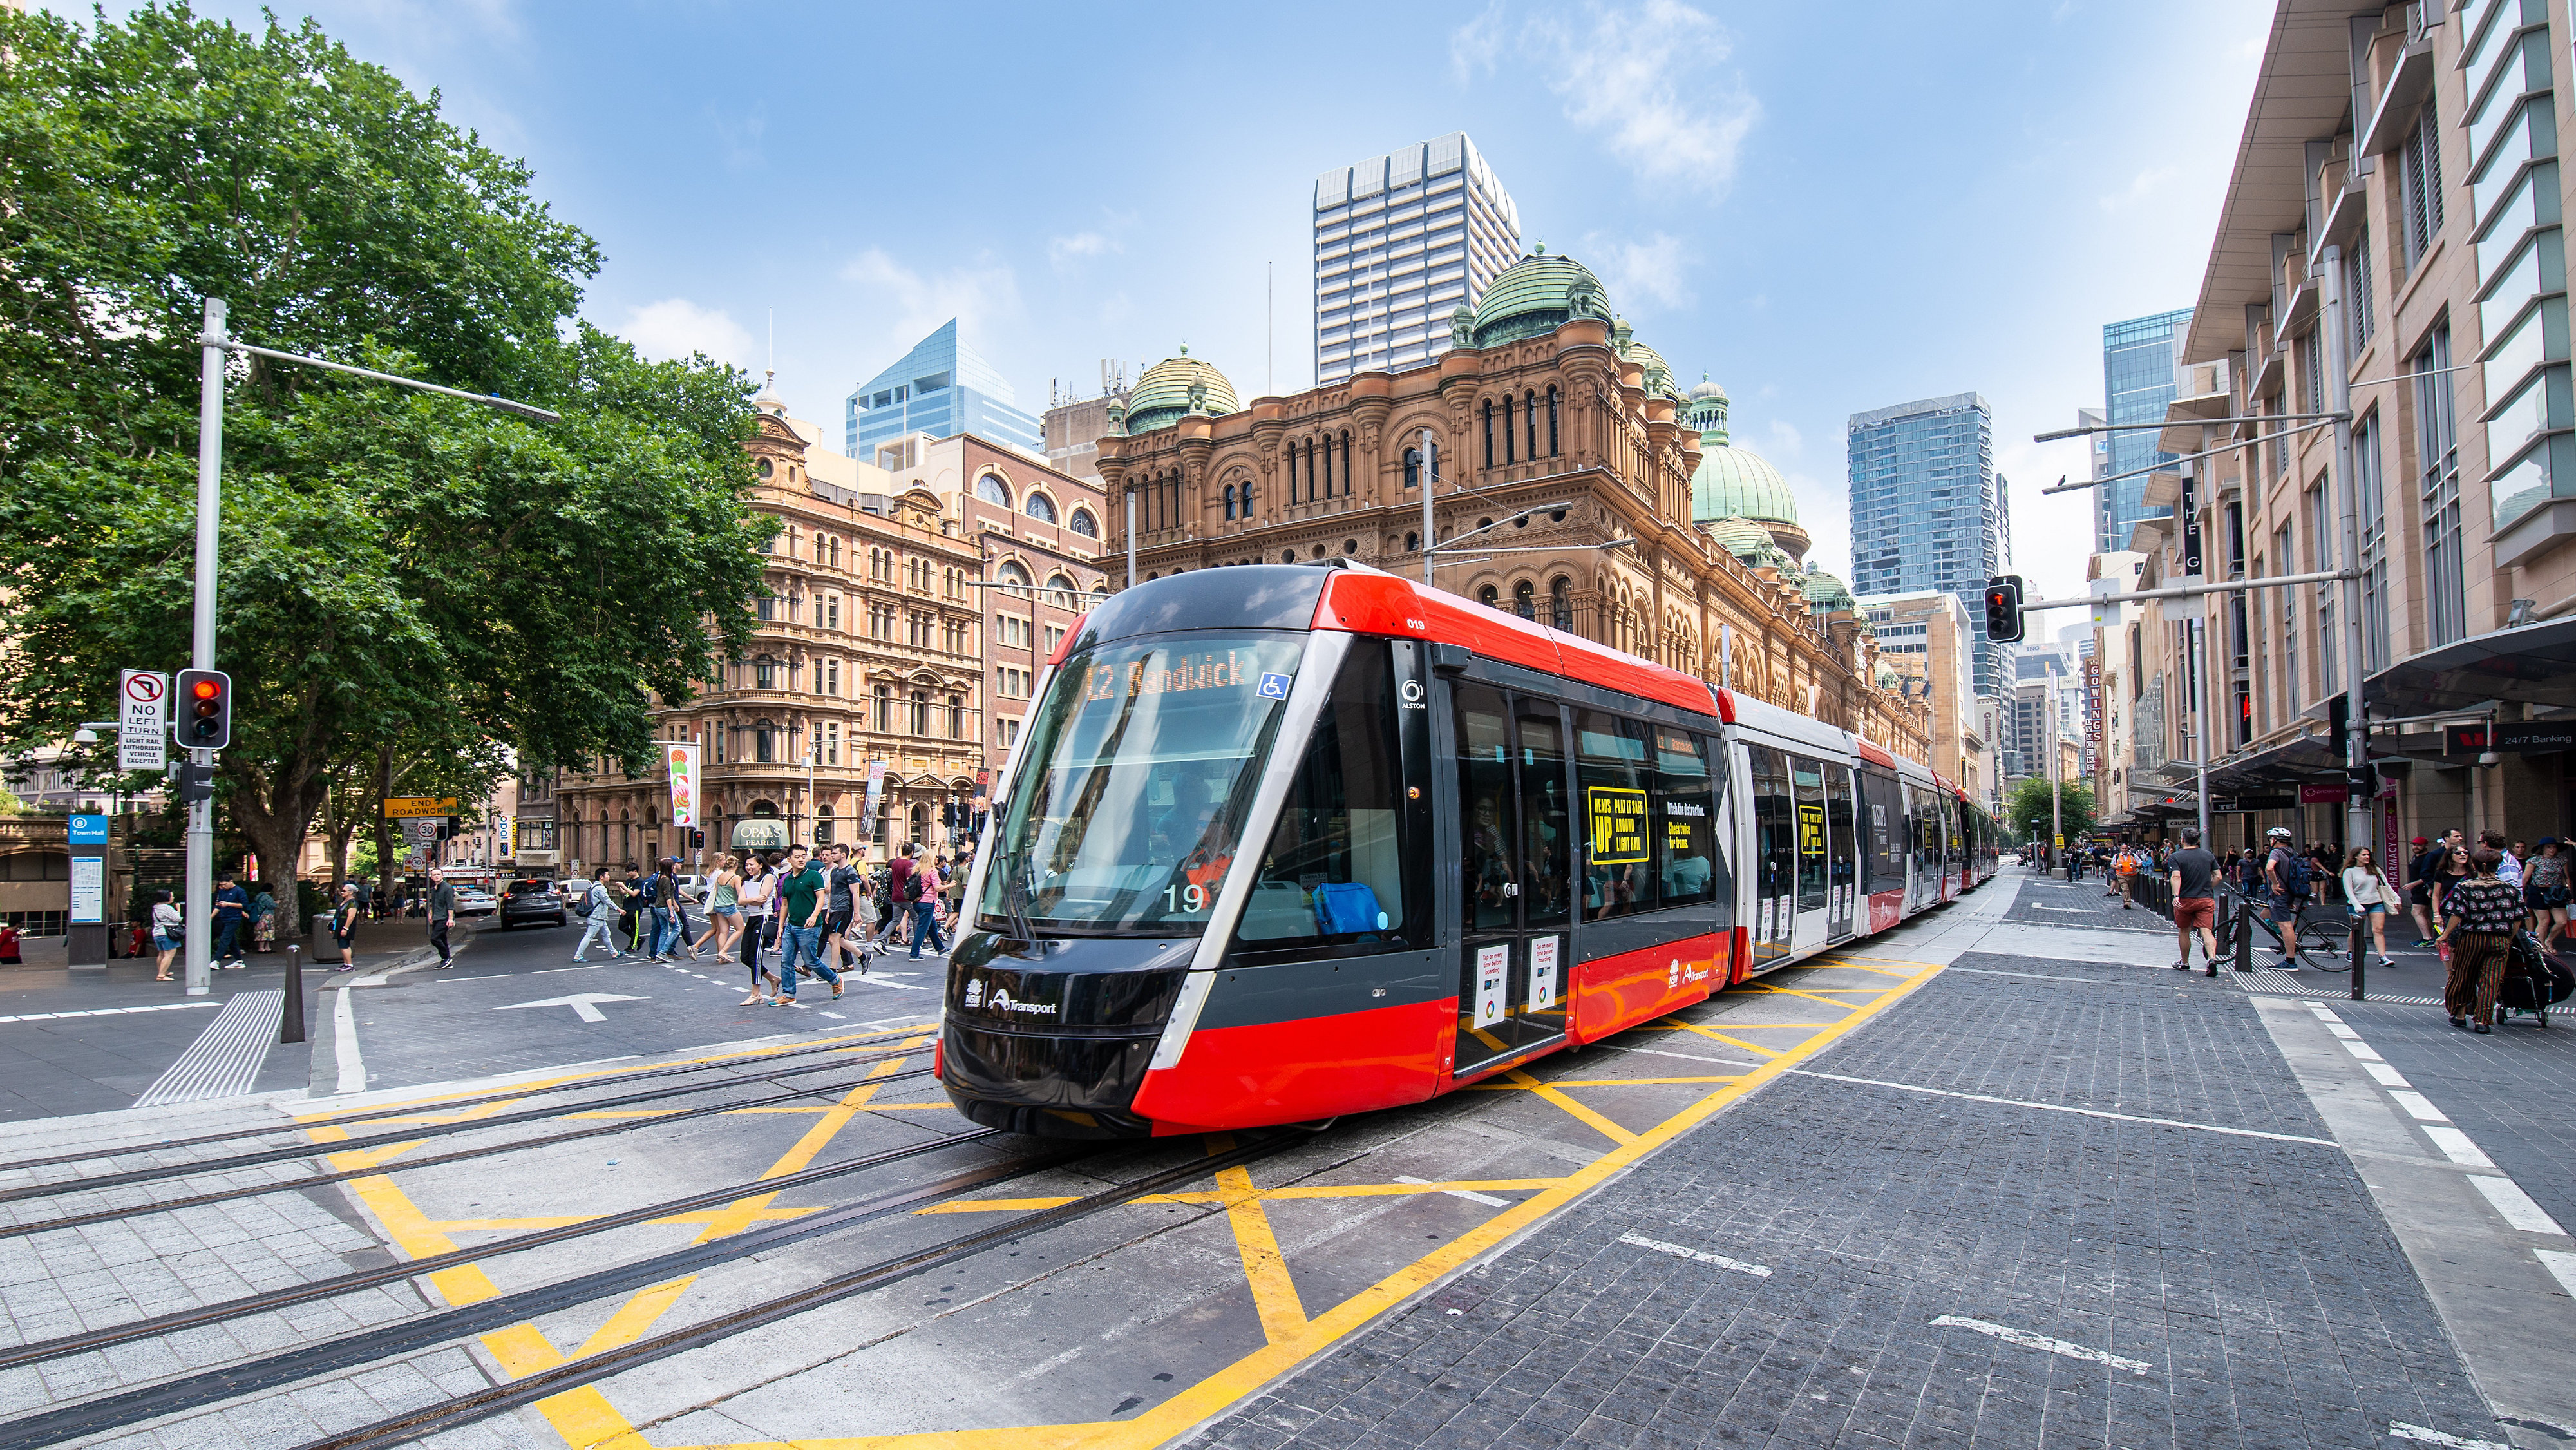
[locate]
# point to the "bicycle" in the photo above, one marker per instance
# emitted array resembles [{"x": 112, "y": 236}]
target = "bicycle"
[{"x": 2319, "y": 944}]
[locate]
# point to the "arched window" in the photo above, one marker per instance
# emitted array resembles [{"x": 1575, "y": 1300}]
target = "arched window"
[
  {"x": 1328, "y": 465},
  {"x": 822, "y": 825},
  {"x": 957, "y": 717},
  {"x": 1529, "y": 420},
  {"x": 1412, "y": 543},
  {"x": 1489, "y": 433},
  {"x": 766, "y": 468},
  {"x": 1489, "y": 598},
  {"x": 1089, "y": 527},
  {"x": 920, "y": 712},
  {"x": 764, "y": 673},
  {"x": 1525, "y": 600},
  {"x": 1347, "y": 479},
  {"x": 1229, "y": 503},
  {"x": 1412, "y": 468},
  {"x": 1508, "y": 436},
  {"x": 764, "y": 742},
  {"x": 1560, "y": 601},
  {"x": 1013, "y": 577},
  {"x": 1041, "y": 508},
  {"x": 990, "y": 488},
  {"x": 765, "y": 605},
  {"x": 1551, "y": 420},
  {"x": 1060, "y": 591},
  {"x": 1287, "y": 556}
]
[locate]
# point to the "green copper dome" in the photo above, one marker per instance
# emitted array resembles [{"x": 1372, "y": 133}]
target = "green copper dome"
[
  {"x": 1175, "y": 388},
  {"x": 1732, "y": 480},
  {"x": 1660, "y": 382},
  {"x": 1738, "y": 536},
  {"x": 1825, "y": 592},
  {"x": 1535, "y": 295}
]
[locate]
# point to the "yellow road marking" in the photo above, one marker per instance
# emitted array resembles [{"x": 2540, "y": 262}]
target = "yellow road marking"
[
  {"x": 1274, "y": 1293},
  {"x": 496, "y": 1225},
  {"x": 1734, "y": 1024},
  {"x": 1573, "y": 1082},
  {"x": 1886, "y": 971},
  {"x": 583, "y": 1415},
  {"x": 1573, "y": 1109},
  {"x": 541, "y": 1084},
  {"x": 830, "y": 1119},
  {"x": 633, "y": 1113},
  {"x": 1677, "y": 1025}
]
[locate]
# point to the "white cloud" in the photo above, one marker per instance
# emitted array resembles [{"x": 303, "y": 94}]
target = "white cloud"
[
  {"x": 1645, "y": 78},
  {"x": 979, "y": 295},
  {"x": 1063, "y": 250},
  {"x": 2140, "y": 187},
  {"x": 740, "y": 139},
  {"x": 675, "y": 327},
  {"x": 1785, "y": 440},
  {"x": 1474, "y": 45},
  {"x": 1653, "y": 268}
]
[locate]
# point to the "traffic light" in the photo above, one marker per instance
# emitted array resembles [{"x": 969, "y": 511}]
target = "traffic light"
[
  {"x": 196, "y": 783},
  {"x": 205, "y": 717},
  {"x": 447, "y": 829},
  {"x": 2003, "y": 608},
  {"x": 697, "y": 838}
]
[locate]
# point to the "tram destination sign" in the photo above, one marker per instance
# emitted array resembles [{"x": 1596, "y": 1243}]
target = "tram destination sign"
[{"x": 2520, "y": 736}]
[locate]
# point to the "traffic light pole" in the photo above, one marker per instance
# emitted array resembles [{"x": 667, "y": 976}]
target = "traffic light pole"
[
  {"x": 201, "y": 642},
  {"x": 2337, "y": 326}
]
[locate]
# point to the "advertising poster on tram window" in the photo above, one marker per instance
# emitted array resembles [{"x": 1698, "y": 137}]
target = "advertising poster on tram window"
[
  {"x": 684, "y": 784},
  {"x": 1618, "y": 820},
  {"x": 1493, "y": 965},
  {"x": 1542, "y": 993}
]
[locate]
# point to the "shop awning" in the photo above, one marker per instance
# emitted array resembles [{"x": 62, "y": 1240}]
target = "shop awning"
[
  {"x": 2535, "y": 664},
  {"x": 2307, "y": 757}
]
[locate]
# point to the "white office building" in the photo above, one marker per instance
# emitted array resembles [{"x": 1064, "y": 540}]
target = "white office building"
[{"x": 1400, "y": 241}]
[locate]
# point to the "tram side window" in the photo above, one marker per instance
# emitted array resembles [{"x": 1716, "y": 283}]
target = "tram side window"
[
  {"x": 1611, "y": 766},
  {"x": 1690, "y": 868},
  {"x": 1883, "y": 821},
  {"x": 1808, "y": 777},
  {"x": 1774, "y": 845},
  {"x": 1338, "y": 868}
]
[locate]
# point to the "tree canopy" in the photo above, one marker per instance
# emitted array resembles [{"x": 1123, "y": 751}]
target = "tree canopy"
[
  {"x": 2026, "y": 812},
  {"x": 395, "y": 566}
]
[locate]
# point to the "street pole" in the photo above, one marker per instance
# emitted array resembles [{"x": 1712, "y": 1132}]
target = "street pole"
[
  {"x": 201, "y": 642},
  {"x": 2200, "y": 725},
  {"x": 2056, "y": 807},
  {"x": 1131, "y": 536},
  {"x": 2356, "y": 734},
  {"x": 1427, "y": 482}
]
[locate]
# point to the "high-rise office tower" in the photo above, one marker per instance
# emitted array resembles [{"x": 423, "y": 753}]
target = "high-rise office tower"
[
  {"x": 2137, "y": 382},
  {"x": 1401, "y": 240},
  {"x": 1928, "y": 512},
  {"x": 940, "y": 388}
]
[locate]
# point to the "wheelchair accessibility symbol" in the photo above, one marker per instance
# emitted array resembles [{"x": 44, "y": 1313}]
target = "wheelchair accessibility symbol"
[{"x": 1274, "y": 687}]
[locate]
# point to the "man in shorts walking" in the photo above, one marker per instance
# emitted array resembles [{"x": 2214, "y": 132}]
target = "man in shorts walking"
[
  {"x": 843, "y": 880},
  {"x": 2195, "y": 899}
]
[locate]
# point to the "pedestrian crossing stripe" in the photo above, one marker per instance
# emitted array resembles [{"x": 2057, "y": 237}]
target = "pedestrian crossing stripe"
[{"x": 108, "y": 1011}]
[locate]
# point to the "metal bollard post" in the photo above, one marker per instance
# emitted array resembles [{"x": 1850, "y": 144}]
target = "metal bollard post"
[
  {"x": 2245, "y": 934},
  {"x": 290, "y": 1015},
  {"x": 2226, "y": 922},
  {"x": 2358, "y": 956}
]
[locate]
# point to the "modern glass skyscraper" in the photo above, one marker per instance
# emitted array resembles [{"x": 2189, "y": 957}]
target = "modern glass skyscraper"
[
  {"x": 941, "y": 388},
  {"x": 1928, "y": 511},
  {"x": 2137, "y": 382},
  {"x": 1400, "y": 241}
]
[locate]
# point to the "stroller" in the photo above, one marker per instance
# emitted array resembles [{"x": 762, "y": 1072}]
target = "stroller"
[{"x": 2534, "y": 980}]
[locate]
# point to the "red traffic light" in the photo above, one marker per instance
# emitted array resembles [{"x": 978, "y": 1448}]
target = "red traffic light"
[
  {"x": 207, "y": 723},
  {"x": 206, "y": 689}
]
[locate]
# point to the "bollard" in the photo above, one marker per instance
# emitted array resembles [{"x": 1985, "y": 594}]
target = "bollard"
[
  {"x": 2358, "y": 956},
  {"x": 2245, "y": 934},
  {"x": 2225, "y": 922},
  {"x": 290, "y": 1015}
]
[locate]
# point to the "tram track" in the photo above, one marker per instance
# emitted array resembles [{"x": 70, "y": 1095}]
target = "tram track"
[
  {"x": 481, "y": 1404},
  {"x": 289, "y": 1152},
  {"x": 258, "y": 1190},
  {"x": 374, "y": 1346}
]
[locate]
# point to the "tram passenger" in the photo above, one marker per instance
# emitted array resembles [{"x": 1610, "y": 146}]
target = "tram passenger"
[{"x": 1488, "y": 862}]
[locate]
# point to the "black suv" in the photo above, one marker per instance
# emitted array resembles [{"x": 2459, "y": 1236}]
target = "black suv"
[{"x": 532, "y": 901}]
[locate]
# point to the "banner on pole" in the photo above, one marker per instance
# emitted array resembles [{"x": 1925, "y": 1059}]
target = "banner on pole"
[
  {"x": 504, "y": 847},
  {"x": 684, "y": 784},
  {"x": 876, "y": 793}
]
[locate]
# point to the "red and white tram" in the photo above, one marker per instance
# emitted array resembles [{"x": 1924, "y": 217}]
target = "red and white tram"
[{"x": 1283, "y": 842}]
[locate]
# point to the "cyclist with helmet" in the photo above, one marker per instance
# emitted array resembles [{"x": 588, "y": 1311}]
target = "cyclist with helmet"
[{"x": 2286, "y": 881}]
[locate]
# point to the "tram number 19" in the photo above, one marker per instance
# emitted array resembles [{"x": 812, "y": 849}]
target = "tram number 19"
[{"x": 1177, "y": 898}]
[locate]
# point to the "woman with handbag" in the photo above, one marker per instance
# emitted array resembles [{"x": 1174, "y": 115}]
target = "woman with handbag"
[
  {"x": 759, "y": 925},
  {"x": 2368, "y": 894}
]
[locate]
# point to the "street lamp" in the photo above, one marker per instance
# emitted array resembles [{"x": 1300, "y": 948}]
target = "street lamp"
[{"x": 213, "y": 343}]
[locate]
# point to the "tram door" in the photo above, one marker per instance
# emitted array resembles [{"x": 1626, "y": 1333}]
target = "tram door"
[
  {"x": 1807, "y": 778},
  {"x": 1515, "y": 867},
  {"x": 1841, "y": 852},
  {"x": 1775, "y": 855}
]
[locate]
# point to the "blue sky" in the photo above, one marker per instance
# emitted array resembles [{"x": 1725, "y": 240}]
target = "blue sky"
[{"x": 1827, "y": 209}]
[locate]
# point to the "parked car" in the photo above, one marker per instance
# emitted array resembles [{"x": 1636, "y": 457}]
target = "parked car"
[
  {"x": 528, "y": 901},
  {"x": 474, "y": 901}
]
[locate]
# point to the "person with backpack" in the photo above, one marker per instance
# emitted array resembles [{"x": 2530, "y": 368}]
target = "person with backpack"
[
  {"x": 2287, "y": 880},
  {"x": 599, "y": 913},
  {"x": 916, "y": 894}
]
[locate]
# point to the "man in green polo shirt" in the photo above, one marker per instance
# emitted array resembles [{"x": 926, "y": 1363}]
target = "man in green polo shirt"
[{"x": 801, "y": 887}]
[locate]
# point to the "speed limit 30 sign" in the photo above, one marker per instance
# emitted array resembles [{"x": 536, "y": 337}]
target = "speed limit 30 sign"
[{"x": 143, "y": 720}]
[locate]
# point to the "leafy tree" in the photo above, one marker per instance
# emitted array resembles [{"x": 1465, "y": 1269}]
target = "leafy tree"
[
  {"x": 2026, "y": 811},
  {"x": 10, "y": 805},
  {"x": 399, "y": 571}
]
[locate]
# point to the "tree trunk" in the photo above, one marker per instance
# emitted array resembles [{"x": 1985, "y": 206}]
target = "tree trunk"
[
  {"x": 274, "y": 808},
  {"x": 384, "y": 835}
]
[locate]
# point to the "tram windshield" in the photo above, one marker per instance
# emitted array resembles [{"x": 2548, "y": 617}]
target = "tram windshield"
[{"x": 1139, "y": 768}]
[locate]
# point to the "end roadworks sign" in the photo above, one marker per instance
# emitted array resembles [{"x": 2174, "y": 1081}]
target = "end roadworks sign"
[{"x": 418, "y": 807}]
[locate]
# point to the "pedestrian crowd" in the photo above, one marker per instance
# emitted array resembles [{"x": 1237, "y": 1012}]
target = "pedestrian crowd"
[{"x": 785, "y": 916}]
